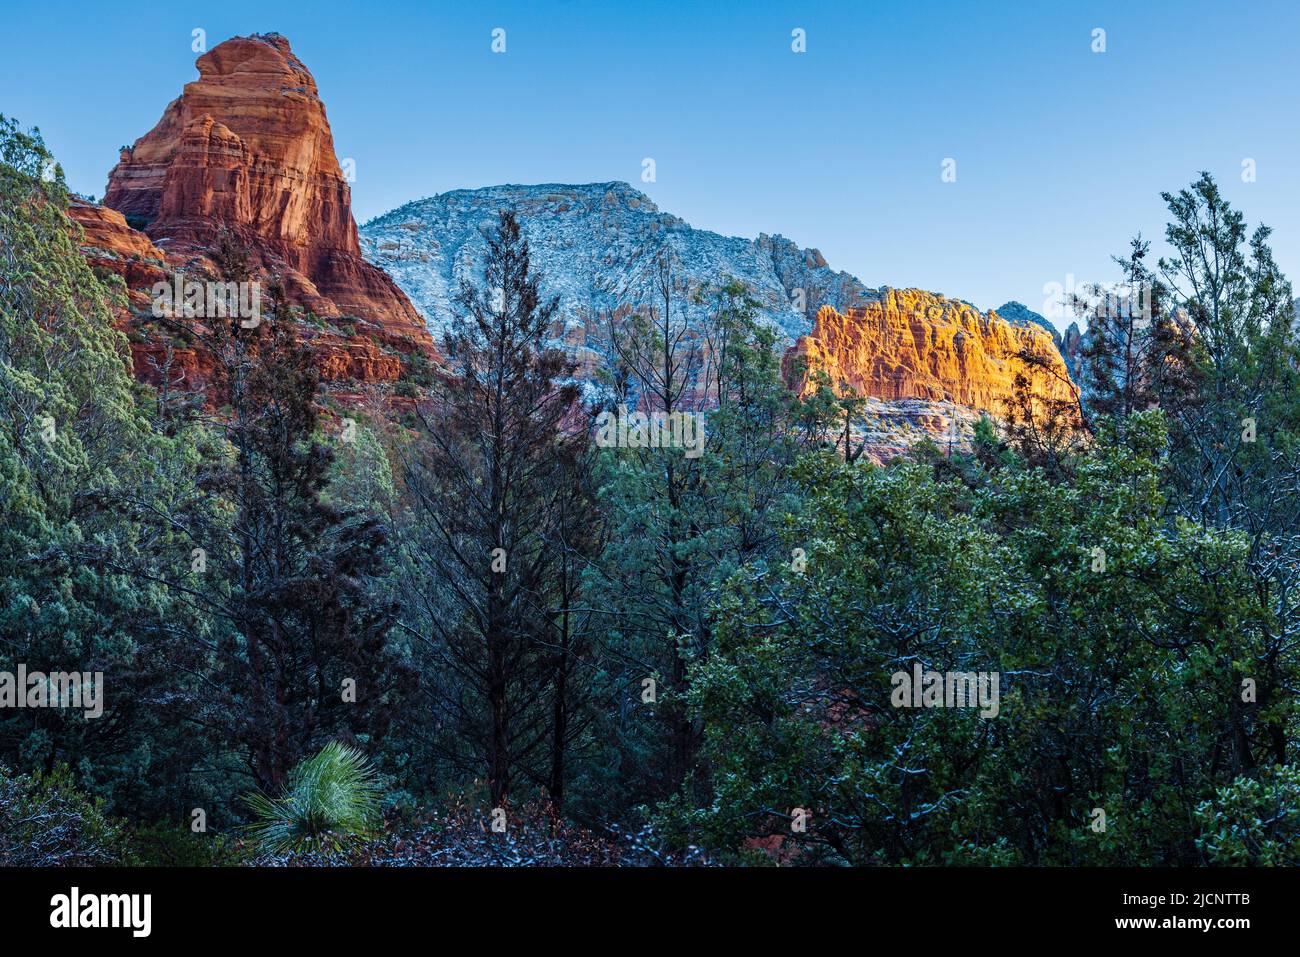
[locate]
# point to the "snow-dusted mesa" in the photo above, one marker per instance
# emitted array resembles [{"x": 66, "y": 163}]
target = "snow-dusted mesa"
[
  {"x": 928, "y": 364},
  {"x": 591, "y": 244}
]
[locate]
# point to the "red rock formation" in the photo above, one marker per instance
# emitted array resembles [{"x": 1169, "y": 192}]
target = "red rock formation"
[
  {"x": 246, "y": 153},
  {"x": 113, "y": 245},
  {"x": 361, "y": 351},
  {"x": 109, "y": 237},
  {"x": 916, "y": 345}
]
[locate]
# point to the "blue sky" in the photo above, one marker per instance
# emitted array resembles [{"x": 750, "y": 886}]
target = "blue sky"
[{"x": 1061, "y": 153}]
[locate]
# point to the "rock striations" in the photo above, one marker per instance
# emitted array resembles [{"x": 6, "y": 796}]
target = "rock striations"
[
  {"x": 917, "y": 345},
  {"x": 246, "y": 154}
]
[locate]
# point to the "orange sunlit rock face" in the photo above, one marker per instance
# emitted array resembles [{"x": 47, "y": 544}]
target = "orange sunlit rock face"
[
  {"x": 916, "y": 345},
  {"x": 246, "y": 154}
]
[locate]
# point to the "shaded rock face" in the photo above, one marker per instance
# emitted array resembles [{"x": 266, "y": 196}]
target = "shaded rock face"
[
  {"x": 1018, "y": 314},
  {"x": 1072, "y": 344},
  {"x": 246, "y": 153},
  {"x": 591, "y": 242},
  {"x": 358, "y": 351},
  {"x": 917, "y": 345}
]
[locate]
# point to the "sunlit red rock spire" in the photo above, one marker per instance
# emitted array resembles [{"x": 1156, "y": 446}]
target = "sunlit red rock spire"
[{"x": 247, "y": 149}]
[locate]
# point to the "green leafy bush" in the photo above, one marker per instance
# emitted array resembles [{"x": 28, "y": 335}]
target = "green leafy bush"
[{"x": 1253, "y": 821}]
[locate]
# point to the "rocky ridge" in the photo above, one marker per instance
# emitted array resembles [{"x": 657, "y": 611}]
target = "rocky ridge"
[{"x": 923, "y": 360}]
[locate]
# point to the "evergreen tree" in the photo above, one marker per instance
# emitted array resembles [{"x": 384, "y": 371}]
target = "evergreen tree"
[
  {"x": 83, "y": 482},
  {"x": 292, "y": 639},
  {"x": 493, "y": 524},
  {"x": 908, "y": 570},
  {"x": 1232, "y": 398},
  {"x": 1122, "y": 348}
]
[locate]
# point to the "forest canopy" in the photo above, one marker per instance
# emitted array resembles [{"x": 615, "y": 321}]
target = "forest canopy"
[{"x": 311, "y": 635}]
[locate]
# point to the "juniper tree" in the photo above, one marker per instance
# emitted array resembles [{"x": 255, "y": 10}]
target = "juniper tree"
[
  {"x": 679, "y": 523},
  {"x": 1232, "y": 397},
  {"x": 1043, "y": 413},
  {"x": 655, "y": 569},
  {"x": 574, "y": 680},
  {"x": 1120, "y": 352},
  {"x": 85, "y": 483},
  {"x": 292, "y": 642}
]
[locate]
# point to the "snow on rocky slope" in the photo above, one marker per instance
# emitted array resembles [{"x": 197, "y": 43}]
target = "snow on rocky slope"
[
  {"x": 589, "y": 243},
  {"x": 593, "y": 243}
]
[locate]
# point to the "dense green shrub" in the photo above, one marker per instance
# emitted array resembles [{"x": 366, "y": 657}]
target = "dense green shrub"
[
  {"x": 45, "y": 822},
  {"x": 1254, "y": 821}
]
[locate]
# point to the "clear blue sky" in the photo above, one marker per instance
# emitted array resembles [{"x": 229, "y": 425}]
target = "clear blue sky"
[{"x": 1061, "y": 152}]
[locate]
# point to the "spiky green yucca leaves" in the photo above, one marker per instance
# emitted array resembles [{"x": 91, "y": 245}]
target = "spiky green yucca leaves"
[{"x": 329, "y": 798}]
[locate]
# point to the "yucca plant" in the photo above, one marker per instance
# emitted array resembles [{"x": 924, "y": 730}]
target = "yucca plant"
[{"x": 329, "y": 799}]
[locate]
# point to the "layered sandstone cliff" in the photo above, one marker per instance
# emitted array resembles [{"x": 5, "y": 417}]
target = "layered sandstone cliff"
[
  {"x": 110, "y": 243},
  {"x": 911, "y": 344},
  {"x": 245, "y": 158}
]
